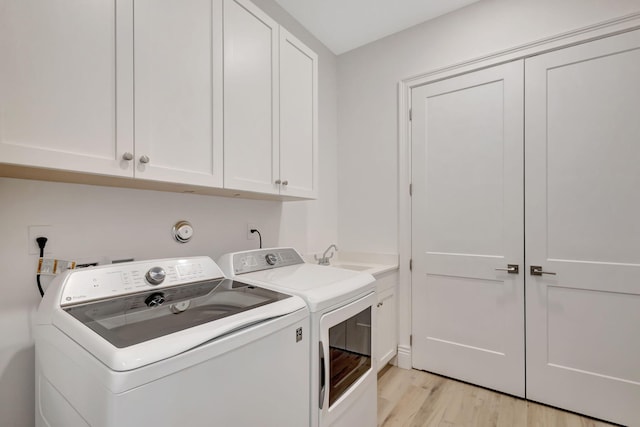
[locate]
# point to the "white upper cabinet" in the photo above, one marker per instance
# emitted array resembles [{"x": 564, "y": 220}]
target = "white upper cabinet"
[
  {"x": 208, "y": 93},
  {"x": 251, "y": 136},
  {"x": 298, "y": 118},
  {"x": 66, "y": 88},
  {"x": 178, "y": 91},
  {"x": 270, "y": 106}
]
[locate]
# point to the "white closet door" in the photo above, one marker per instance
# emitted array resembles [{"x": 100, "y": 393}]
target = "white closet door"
[
  {"x": 582, "y": 212},
  {"x": 178, "y": 90},
  {"x": 467, "y": 208},
  {"x": 251, "y": 131},
  {"x": 66, "y": 84}
]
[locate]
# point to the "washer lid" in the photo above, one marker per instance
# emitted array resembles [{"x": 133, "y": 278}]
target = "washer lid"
[
  {"x": 320, "y": 286},
  {"x": 106, "y": 310},
  {"x": 136, "y": 318}
]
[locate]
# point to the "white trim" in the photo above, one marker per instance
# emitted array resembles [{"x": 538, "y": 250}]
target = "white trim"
[
  {"x": 592, "y": 32},
  {"x": 582, "y": 35},
  {"x": 404, "y": 357}
]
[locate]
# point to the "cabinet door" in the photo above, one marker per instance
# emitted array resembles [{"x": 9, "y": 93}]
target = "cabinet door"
[
  {"x": 178, "y": 91},
  {"x": 582, "y": 210},
  {"x": 298, "y": 118},
  {"x": 386, "y": 345},
  {"x": 66, "y": 85},
  {"x": 251, "y": 137}
]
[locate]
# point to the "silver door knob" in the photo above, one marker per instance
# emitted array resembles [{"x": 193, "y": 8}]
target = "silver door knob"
[
  {"x": 144, "y": 159},
  {"x": 127, "y": 156},
  {"x": 278, "y": 182},
  {"x": 536, "y": 270},
  {"x": 511, "y": 269},
  {"x": 285, "y": 182}
]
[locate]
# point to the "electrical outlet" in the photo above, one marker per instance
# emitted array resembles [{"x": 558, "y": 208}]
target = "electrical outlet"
[
  {"x": 35, "y": 231},
  {"x": 250, "y": 235}
]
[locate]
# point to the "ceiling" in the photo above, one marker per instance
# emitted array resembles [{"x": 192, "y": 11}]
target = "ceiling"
[{"x": 343, "y": 25}]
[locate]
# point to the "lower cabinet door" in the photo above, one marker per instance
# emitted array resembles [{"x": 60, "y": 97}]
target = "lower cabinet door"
[{"x": 386, "y": 344}]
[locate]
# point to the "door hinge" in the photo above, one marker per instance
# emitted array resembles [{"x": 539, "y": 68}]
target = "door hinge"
[
  {"x": 411, "y": 264},
  {"x": 410, "y": 114},
  {"x": 410, "y": 189},
  {"x": 410, "y": 340}
]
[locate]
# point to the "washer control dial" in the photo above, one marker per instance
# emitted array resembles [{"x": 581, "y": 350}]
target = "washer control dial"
[
  {"x": 155, "y": 275},
  {"x": 271, "y": 259}
]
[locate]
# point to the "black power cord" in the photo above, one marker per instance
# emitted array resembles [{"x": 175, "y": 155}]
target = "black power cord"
[
  {"x": 254, "y": 230},
  {"x": 42, "y": 241}
]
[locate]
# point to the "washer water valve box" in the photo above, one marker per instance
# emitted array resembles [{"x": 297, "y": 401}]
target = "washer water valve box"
[{"x": 51, "y": 267}]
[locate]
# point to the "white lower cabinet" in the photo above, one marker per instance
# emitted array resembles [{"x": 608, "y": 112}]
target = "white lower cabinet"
[{"x": 386, "y": 346}]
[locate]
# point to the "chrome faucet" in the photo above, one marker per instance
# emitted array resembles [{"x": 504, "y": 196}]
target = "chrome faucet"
[{"x": 325, "y": 259}]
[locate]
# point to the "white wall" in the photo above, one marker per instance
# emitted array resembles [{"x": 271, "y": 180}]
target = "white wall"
[
  {"x": 367, "y": 107},
  {"x": 91, "y": 221},
  {"x": 367, "y": 96}
]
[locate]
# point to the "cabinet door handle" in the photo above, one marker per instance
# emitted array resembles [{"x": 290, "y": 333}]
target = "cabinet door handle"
[
  {"x": 285, "y": 182},
  {"x": 144, "y": 159},
  {"x": 380, "y": 304},
  {"x": 536, "y": 270},
  {"x": 127, "y": 156},
  {"x": 278, "y": 182}
]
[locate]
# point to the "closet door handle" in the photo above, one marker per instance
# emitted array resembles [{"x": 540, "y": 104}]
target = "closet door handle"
[
  {"x": 511, "y": 269},
  {"x": 536, "y": 270}
]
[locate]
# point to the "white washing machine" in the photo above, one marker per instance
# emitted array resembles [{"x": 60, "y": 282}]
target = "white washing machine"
[
  {"x": 343, "y": 372},
  {"x": 169, "y": 343}
]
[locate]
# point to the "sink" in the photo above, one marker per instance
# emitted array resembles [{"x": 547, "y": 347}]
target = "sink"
[{"x": 352, "y": 267}]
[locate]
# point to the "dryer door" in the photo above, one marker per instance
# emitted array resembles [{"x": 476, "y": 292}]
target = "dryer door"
[{"x": 347, "y": 388}]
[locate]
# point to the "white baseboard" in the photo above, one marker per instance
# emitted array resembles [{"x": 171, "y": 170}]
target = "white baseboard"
[{"x": 404, "y": 357}]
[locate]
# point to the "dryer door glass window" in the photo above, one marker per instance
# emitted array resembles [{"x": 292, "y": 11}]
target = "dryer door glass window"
[{"x": 349, "y": 353}]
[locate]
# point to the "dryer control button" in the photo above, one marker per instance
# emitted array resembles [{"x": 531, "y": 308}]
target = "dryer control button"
[
  {"x": 155, "y": 275},
  {"x": 271, "y": 259}
]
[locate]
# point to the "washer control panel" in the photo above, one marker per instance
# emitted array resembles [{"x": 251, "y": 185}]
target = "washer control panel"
[
  {"x": 120, "y": 279},
  {"x": 263, "y": 259}
]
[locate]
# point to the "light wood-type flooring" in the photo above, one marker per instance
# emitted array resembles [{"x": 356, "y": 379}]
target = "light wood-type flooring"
[{"x": 416, "y": 398}]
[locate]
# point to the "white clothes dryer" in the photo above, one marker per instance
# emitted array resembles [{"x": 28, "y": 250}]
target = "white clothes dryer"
[
  {"x": 343, "y": 324},
  {"x": 169, "y": 343}
]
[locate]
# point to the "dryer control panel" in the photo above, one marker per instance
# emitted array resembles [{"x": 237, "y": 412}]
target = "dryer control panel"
[
  {"x": 121, "y": 279},
  {"x": 263, "y": 259}
]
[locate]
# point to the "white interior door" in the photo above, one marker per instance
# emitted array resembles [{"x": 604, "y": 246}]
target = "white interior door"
[
  {"x": 467, "y": 209},
  {"x": 582, "y": 212}
]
